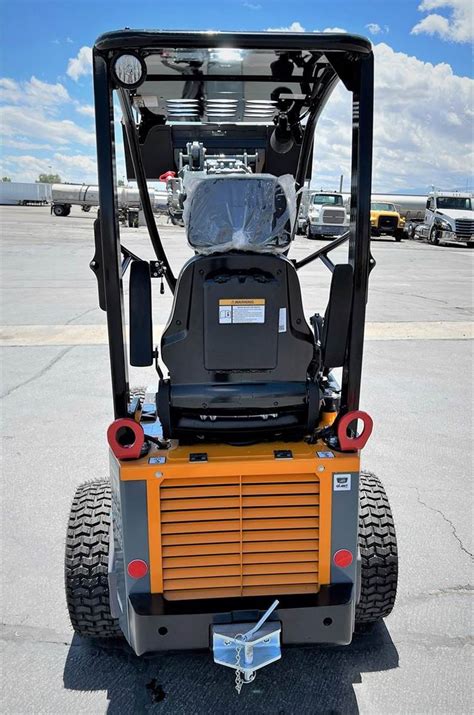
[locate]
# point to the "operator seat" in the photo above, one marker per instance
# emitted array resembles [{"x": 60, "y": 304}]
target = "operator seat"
[{"x": 240, "y": 354}]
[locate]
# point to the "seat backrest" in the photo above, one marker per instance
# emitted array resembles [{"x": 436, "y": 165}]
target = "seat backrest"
[{"x": 237, "y": 341}]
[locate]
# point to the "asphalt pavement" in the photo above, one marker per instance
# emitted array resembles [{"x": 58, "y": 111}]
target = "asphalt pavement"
[{"x": 56, "y": 405}]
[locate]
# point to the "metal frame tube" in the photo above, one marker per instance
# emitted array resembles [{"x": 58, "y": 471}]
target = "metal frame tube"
[
  {"x": 359, "y": 243},
  {"x": 110, "y": 236},
  {"x": 133, "y": 145}
]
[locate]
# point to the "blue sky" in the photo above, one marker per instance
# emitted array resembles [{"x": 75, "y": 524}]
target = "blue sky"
[{"x": 39, "y": 39}]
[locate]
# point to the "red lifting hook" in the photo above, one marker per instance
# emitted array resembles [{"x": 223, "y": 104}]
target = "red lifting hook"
[
  {"x": 126, "y": 438},
  {"x": 167, "y": 175},
  {"x": 352, "y": 444}
]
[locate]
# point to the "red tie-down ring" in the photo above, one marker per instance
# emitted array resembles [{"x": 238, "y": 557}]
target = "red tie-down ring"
[
  {"x": 126, "y": 438},
  {"x": 348, "y": 443}
]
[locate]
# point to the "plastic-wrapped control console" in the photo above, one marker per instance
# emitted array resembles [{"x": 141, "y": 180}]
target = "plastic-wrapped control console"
[{"x": 240, "y": 212}]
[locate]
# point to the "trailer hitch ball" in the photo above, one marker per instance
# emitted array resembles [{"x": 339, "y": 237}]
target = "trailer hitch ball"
[
  {"x": 247, "y": 647},
  {"x": 126, "y": 438}
]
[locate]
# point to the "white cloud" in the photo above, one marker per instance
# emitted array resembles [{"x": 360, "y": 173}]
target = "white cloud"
[
  {"x": 298, "y": 27},
  {"x": 79, "y": 167},
  {"x": 81, "y": 65},
  {"x": 86, "y": 109},
  {"x": 458, "y": 27},
  {"x": 332, "y": 29},
  {"x": 29, "y": 116},
  {"x": 294, "y": 27},
  {"x": 252, "y": 5},
  {"x": 37, "y": 125},
  {"x": 24, "y": 144},
  {"x": 375, "y": 29},
  {"x": 33, "y": 93},
  {"x": 422, "y": 136}
]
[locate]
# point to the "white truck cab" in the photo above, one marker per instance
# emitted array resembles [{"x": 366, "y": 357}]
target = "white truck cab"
[
  {"x": 327, "y": 215},
  {"x": 449, "y": 216}
]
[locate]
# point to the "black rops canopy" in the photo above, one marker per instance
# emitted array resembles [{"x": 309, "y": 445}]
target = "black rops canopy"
[{"x": 229, "y": 90}]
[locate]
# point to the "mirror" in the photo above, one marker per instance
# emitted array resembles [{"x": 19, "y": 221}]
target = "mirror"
[
  {"x": 337, "y": 317},
  {"x": 141, "y": 327}
]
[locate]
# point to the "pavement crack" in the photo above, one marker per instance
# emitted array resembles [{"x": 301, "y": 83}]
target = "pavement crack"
[
  {"x": 38, "y": 374},
  {"x": 80, "y": 315},
  {"x": 448, "y": 521},
  {"x": 459, "y": 589},
  {"x": 434, "y": 641},
  {"x": 406, "y": 294},
  {"x": 33, "y": 634}
]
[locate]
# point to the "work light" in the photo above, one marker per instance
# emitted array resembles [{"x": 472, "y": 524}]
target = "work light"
[{"x": 129, "y": 70}]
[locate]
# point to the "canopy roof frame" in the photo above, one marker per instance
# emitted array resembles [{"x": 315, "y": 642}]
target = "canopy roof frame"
[{"x": 351, "y": 60}]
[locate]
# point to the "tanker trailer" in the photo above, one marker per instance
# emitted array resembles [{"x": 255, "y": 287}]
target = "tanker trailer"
[
  {"x": 66, "y": 195},
  {"x": 87, "y": 195}
]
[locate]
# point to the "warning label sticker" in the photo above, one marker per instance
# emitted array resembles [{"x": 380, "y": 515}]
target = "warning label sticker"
[
  {"x": 282, "y": 320},
  {"x": 241, "y": 310}
]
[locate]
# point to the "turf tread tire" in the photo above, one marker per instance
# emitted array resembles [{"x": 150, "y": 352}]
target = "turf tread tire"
[
  {"x": 86, "y": 562},
  {"x": 378, "y": 550}
]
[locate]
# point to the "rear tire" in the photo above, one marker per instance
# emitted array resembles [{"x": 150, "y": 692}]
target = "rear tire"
[
  {"x": 59, "y": 210},
  {"x": 378, "y": 550},
  {"x": 86, "y": 563}
]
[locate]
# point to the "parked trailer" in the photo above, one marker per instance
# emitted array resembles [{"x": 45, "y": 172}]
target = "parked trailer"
[
  {"x": 18, "y": 193},
  {"x": 87, "y": 195},
  {"x": 411, "y": 208}
]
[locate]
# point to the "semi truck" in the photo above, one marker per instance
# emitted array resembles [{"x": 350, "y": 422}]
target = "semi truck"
[{"x": 449, "y": 217}]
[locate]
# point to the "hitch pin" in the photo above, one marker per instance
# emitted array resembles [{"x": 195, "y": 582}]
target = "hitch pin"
[{"x": 260, "y": 623}]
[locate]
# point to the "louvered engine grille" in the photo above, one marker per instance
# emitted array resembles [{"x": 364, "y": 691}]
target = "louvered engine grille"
[
  {"x": 464, "y": 228},
  {"x": 333, "y": 216},
  {"x": 239, "y": 536},
  {"x": 388, "y": 222}
]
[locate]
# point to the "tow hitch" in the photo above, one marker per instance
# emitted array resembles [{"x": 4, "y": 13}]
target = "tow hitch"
[{"x": 246, "y": 651}]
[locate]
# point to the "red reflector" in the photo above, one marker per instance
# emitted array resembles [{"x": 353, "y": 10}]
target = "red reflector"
[
  {"x": 137, "y": 569},
  {"x": 343, "y": 558}
]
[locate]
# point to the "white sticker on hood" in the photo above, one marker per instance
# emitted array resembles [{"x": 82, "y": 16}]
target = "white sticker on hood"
[{"x": 342, "y": 482}]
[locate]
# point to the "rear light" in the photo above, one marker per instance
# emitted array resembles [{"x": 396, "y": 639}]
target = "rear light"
[
  {"x": 137, "y": 568},
  {"x": 343, "y": 558}
]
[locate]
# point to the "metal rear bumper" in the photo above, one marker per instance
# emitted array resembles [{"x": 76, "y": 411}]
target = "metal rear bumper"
[{"x": 155, "y": 624}]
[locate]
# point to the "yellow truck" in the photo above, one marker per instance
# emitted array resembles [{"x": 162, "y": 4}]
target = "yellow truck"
[{"x": 385, "y": 219}]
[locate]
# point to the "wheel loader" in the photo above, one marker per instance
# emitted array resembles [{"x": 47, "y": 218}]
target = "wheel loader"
[{"x": 236, "y": 517}]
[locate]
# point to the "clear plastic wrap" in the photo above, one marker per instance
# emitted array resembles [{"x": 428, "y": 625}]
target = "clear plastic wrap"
[{"x": 243, "y": 212}]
